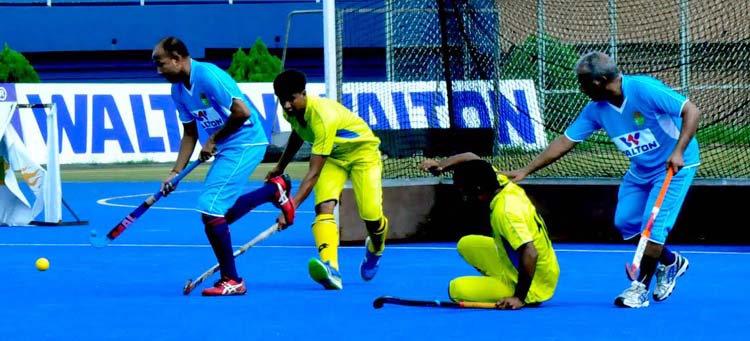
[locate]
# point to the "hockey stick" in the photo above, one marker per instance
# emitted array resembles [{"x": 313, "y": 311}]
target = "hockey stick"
[
  {"x": 380, "y": 301},
  {"x": 632, "y": 269},
  {"x": 191, "y": 284},
  {"x": 102, "y": 241}
]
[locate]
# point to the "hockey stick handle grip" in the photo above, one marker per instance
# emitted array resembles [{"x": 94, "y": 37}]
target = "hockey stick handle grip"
[
  {"x": 662, "y": 192},
  {"x": 632, "y": 269},
  {"x": 154, "y": 198},
  {"x": 143, "y": 207}
]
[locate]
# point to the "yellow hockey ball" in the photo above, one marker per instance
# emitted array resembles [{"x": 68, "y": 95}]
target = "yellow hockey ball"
[{"x": 42, "y": 264}]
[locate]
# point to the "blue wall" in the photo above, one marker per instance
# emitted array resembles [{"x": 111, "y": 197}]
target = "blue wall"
[
  {"x": 111, "y": 40},
  {"x": 93, "y": 28}
]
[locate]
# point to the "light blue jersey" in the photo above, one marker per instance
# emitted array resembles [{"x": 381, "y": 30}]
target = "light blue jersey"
[
  {"x": 645, "y": 128},
  {"x": 208, "y": 100}
]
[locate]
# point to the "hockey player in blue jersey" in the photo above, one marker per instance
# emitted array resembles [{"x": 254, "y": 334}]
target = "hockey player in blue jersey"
[
  {"x": 208, "y": 97},
  {"x": 654, "y": 126}
]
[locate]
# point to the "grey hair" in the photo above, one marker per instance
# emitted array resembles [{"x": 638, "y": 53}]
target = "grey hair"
[{"x": 598, "y": 65}]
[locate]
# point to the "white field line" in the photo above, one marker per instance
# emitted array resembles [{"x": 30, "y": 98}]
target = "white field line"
[
  {"x": 398, "y": 247},
  {"x": 107, "y": 202}
]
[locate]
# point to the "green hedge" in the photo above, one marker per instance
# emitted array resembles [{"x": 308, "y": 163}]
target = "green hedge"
[
  {"x": 15, "y": 68},
  {"x": 258, "y": 65}
]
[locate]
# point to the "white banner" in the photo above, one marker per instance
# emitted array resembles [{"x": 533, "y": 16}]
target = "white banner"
[{"x": 103, "y": 123}]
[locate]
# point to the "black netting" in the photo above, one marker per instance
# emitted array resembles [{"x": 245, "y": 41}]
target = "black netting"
[{"x": 470, "y": 55}]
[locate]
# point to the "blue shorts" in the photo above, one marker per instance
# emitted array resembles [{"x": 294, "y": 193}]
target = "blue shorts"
[
  {"x": 227, "y": 178},
  {"x": 637, "y": 196}
]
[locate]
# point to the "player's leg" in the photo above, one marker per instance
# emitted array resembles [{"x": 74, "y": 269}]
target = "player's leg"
[
  {"x": 631, "y": 204},
  {"x": 672, "y": 264},
  {"x": 499, "y": 280},
  {"x": 325, "y": 270},
  {"x": 480, "y": 289},
  {"x": 482, "y": 254},
  {"x": 368, "y": 193},
  {"x": 277, "y": 190},
  {"x": 224, "y": 182}
]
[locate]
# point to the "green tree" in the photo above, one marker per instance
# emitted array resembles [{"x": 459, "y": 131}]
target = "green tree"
[
  {"x": 15, "y": 68},
  {"x": 258, "y": 65}
]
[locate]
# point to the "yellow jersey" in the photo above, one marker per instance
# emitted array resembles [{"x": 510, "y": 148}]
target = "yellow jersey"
[
  {"x": 515, "y": 222},
  {"x": 333, "y": 130}
]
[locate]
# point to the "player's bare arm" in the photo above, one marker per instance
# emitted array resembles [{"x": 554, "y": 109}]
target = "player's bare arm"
[
  {"x": 437, "y": 168},
  {"x": 293, "y": 145},
  {"x": 187, "y": 145},
  {"x": 555, "y": 150},
  {"x": 690, "y": 117},
  {"x": 239, "y": 114},
  {"x": 311, "y": 178},
  {"x": 526, "y": 272},
  {"x": 307, "y": 185}
]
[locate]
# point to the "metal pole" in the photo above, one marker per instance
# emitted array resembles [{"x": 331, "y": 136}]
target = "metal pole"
[
  {"x": 613, "y": 30},
  {"x": 329, "y": 48},
  {"x": 389, "y": 40},
  {"x": 446, "y": 53},
  {"x": 685, "y": 47},
  {"x": 541, "y": 53},
  {"x": 340, "y": 54},
  {"x": 289, "y": 28},
  {"x": 277, "y": 138}
]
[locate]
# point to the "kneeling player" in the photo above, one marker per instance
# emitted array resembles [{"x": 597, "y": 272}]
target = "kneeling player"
[{"x": 518, "y": 264}]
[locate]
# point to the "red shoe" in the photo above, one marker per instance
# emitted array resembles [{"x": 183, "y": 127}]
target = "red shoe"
[
  {"x": 283, "y": 197},
  {"x": 226, "y": 287}
]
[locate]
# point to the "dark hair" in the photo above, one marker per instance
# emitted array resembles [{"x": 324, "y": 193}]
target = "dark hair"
[
  {"x": 289, "y": 82},
  {"x": 475, "y": 176},
  {"x": 174, "y": 45},
  {"x": 598, "y": 65}
]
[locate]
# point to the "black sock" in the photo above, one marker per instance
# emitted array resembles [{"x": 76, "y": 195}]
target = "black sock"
[
  {"x": 667, "y": 257},
  {"x": 217, "y": 231},
  {"x": 249, "y": 201},
  {"x": 648, "y": 267}
]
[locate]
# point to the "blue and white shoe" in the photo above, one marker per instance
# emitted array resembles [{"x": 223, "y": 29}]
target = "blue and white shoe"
[
  {"x": 666, "y": 277},
  {"x": 369, "y": 266},
  {"x": 634, "y": 297},
  {"x": 325, "y": 274}
]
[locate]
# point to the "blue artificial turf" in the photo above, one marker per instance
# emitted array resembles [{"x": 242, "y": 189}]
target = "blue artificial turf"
[{"x": 132, "y": 289}]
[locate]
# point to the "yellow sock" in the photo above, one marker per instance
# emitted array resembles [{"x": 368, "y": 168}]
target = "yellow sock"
[
  {"x": 377, "y": 237},
  {"x": 326, "y": 235}
]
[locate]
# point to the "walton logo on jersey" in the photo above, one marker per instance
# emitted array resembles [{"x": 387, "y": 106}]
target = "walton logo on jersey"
[
  {"x": 209, "y": 118},
  {"x": 636, "y": 143}
]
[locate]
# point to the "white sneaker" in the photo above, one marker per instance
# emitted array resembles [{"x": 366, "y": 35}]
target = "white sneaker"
[
  {"x": 666, "y": 277},
  {"x": 634, "y": 297}
]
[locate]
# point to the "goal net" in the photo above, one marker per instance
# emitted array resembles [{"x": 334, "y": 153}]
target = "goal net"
[{"x": 497, "y": 78}]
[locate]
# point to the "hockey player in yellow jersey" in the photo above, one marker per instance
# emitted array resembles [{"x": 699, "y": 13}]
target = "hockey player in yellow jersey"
[
  {"x": 518, "y": 265},
  {"x": 343, "y": 147}
]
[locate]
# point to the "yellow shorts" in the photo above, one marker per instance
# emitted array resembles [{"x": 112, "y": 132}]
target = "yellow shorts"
[
  {"x": 499, "y": 275},
  {"x": 364, "y": 168}
]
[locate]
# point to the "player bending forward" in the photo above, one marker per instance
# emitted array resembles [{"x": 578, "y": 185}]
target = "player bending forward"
[
  {"x": 654, "y": 126},
  {"x": 518, "y": 264},
  {"x": 205, "y": 95},
  {"x": 343, "y": 146}
]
